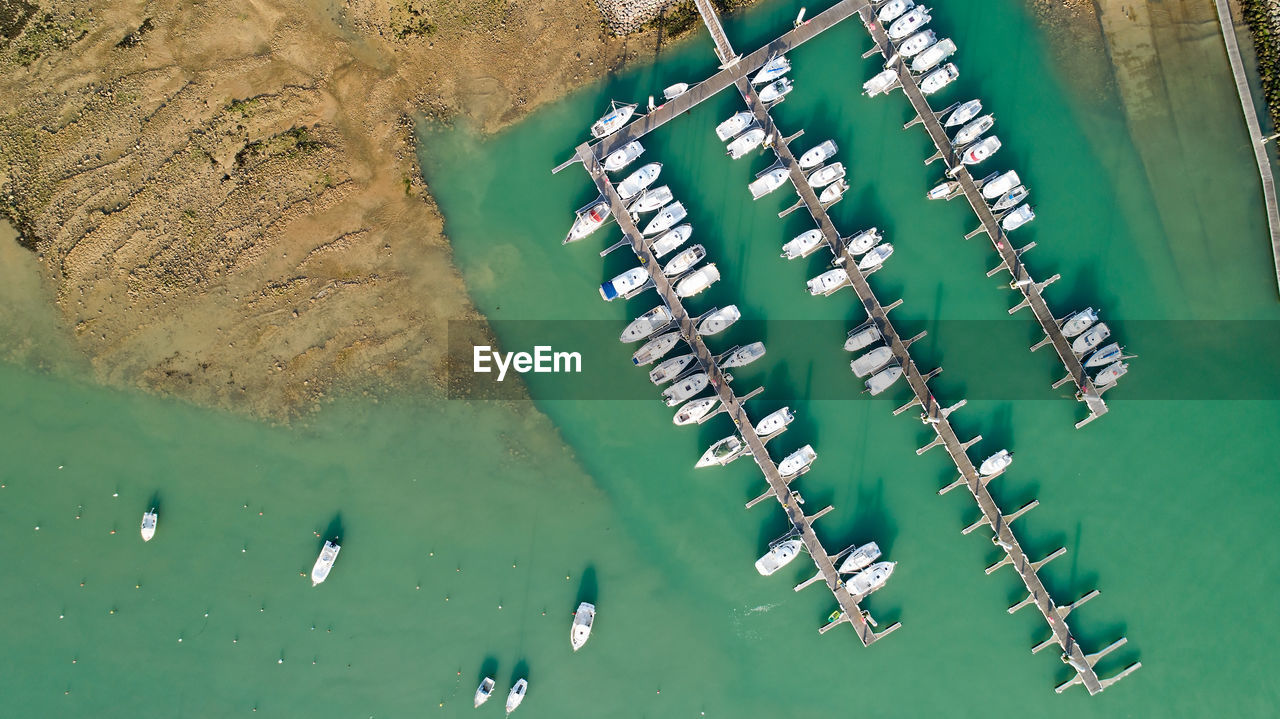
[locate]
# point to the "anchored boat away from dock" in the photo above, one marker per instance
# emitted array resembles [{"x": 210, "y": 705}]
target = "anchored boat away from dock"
[
  {"x": 580, "y": 632},
  {"x": 484, "y": 691},
  {"x": 149, "y": 520},
  {"x": 324, "y": 563}
]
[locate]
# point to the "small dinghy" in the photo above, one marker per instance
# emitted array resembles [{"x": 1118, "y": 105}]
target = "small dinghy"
[
  {"x": 909, "y": 23},
  {"x": 1090, "y": 339},
  {"x": 986, "y": 147},
  {"x": 685, "y": 388},
  {"x": 996, "y": 463},
  {"x": 775, "y": 90},
  {"x": 670, "y": 369},
  {"x": 973, "y": 130},
  {"x": 869, "y": 579},
  {"x": 824, "y": 176},
  {"x": 768, "y": 182},
  {"x": 625, "y": 285},
  {"x": 939, "y": 79},
  {"x": 675, "y": 90},
  {"x": 797, "y": 461},
  {"x": 698, "y": 280},
  {"x": 775, "y": 68},
  {"x": 638, "y": 180},
  {"x": 1000, "y": 185},
  {"x": 650, "y": 200},
  {"x": 779, "y": 556},
  {"x": 646, "y": 324},
  {"x": 324, "y": 563},
  {"x": 893, "y": 10},
  {"x": 484, "y": 691},
  {"x": 1105, "y": 355},
  {"x": 875, "y": 257},
  {"x": 623, "y": 156},
  {"x": 656, "y": 348},
  {"x": 695, "y": 410},
  {"x": 590, "y": 220},
  {"x": 774, "y": 422},
  {"x": 863, "y": 241},
  {"x": 1010, "y": 198},
  {"x": 517, "y": 695},
  {"x": 932, "y": 55},
  {"x": 833, "y": 192},
  {"x": 963, "y": 113},
  {"x": 815, "y": 156},
  {"x": 672, "y": 239},
  {"x": 1017, "y": 218},
  {"x": 580, "y": 632},
  {"x": 613, "y": 120},
  {"x": 802, "y": 244},
  {"x": 684, "y": 261},
  {"x": 734, "y": 125},
  {"x": 860, "y": 558},
  {"x": 883, "y": 380},
  {"x": 149, "y": 519},
  {"x": 915, "y": 44},
  {"x": 1079, "y": 322},
  {"x": 862, "y": 336},
  {"x": 828, "y": 282},
  {"x": 744, "y": 356},
  {"x": 722, "y": 452},
  {"x": 719, "y": 321},
  {"x": 666, "y": 218},
  {"x": 1110, "y": 374},
  {"x": 868, "y": 363},
  {"x": 746, "y": 142},
  {"x": 945, "y": 191},
  {"x": 881, "y": 82}
]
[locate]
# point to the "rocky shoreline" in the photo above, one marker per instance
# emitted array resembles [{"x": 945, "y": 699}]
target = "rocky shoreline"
[{"x": 1263, "y": 19}]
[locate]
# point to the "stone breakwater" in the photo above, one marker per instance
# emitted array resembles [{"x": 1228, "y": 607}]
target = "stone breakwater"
[
  {"x": 1263, "y": 18},
  {"x": 623, "y": 17}
]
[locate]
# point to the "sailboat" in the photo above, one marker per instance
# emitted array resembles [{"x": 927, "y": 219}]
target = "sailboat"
[
  {"x": 869, "y": 579},
  {"x": 672, "y": 239},
  {"x": 588, "y": 221},
  {"x": 939, "y": 78},
  {"x": 776, "y": 90},
  {"x": 625, "y": 285},
  {"x": 517, "y": 695},
  {"x": 916, "y": 43},
  {"x": 797, "y": 461},
  {"x": 826, "y": 175},
  {"x": 646, "y": 324},
  {"x": 768, "y": 182},
  {"x": 719, "y": 321},
  {"x": 684, "y": 261},
  {"x": 666, "y": 218},
  {"x": 1010, "y": 198},
  {"x": 650, "y": 200},
  {"x": 884, "y": 379},
  {"x": 776, "y": 67},
  {"x": 722, "y": 452},
  {"x": 875, "y": 257},
  {"x": 1110, "y": 374},
  {"x": 828, "y": 282},
  {"x": 909, "y": 23},
  {"x": 779, "y": 556},
  {"x": 623, "y": 156},
  {"x": 1105, "y": 355},
  {"x": 484, "y": 691},
  {"x": 613, "y": 120},
  {"x": 963, "y": 113},
  {"x": 932, "y": 55},
  {"x": 862, "y": 336},
  {"x": 670, "y": 369},
  {"x": 815, "y": 156},
  {"x": 893, "y": 10},
  {"x": 1000, "y": 185},
  {"x": 734, "y": 125},
  {"x": 744, "y": 355},
  {"x": 973, "y": 130},
  {"x": 656, "y": 348},
  {"x": 871, "y": 361},
  {"x": 638, "y": 180},
  {"x": 695, "y": 409},
  {"x": 1091, "y": 338},
  {"x": 746, "y": 142},
  {"x": 863, "y": 241},
  {"x": 985, "y": 148},
  {"x": 945, "y": 190},
  {"x": 685, "y": 388},
  {"x": 1079, "y": 322}
]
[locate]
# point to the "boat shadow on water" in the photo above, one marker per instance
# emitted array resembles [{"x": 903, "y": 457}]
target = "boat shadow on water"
[
  {"x": 588, "y": 586},
  {"x": 333, "y": 533},
  {"x": 153, "y": 504},
  {"x": 521, "y": 671},
  {"x": 488, "y": 668}
]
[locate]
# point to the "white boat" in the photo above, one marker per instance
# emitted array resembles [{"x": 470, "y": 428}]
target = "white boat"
[
  {"x": 883, "y": 380},
  {"x": 684, "y": 388},
  {"x": 580, "y": 632},
  {"x": 625, "y": 285},
  {"x": 973, "y": 130},
  {"x": 945, "y": 190},
  {"x": 590, "y": 220},
  {"x": 939, "y": 79},
  {"x": 722, "y": 452},
  {"x": 934, "y": 54},
  {"x": 1010, "y": 198},
  {"x": 802, "y": 244},
  {"x": 776, "y": 67},
  {"x": 1105, "y": 355},
  {"x": 685, "y": 260},
  {"x": 1110, "y": 374},
  {"x": 698, "y": 280},
  {"x": 893, "y": 10},
  {"x": 869, "y": 579},
  {"x": 824, "y": 176},
  {"x": 670, "y": 369},
  {"x": 863, "y": 241},
  {"x": 779, "y": 556},
  {"x": 149, "y": 519},
  {"x": 1090, "y": 339},
  {"x": 833, "y": 192},
  {"x": 650, "y": 200},
  {"x": 996, "y": 463},
  {"x": 696, "y": 409},
  {"x": 963, "y": 113},
  {"x": 638, "y": 180},
  {"x": 909, "y": 23},
  {"x": 646, "y": 324},
  {"x": 1000, "y": 185},
  {"x": 656, "y": 348},
  {"x": 719, "y": 321},
  {"x": 672, "y": 239},
  {"x": 775, "y": 90},
  {"x": 984, "y": 148},
  {"x": 324, "y": 563},
  {"x": 797, "y": 461},
  {"x": 875, "y": 257},
  {"x": 734, "y": 125},
  {"x": 746, "y": 142},
  {"x": 623, "y": 156},
  {"x": 828, "y": 282},
  {"x": 484, "y": 691},
  {"x": 860, "y": 558},
  {"x": 815, "y": 156},
  {"x": 882, "y": 81},
  {"x": 517, "y": 695},
  {"x": 744, "y": 355},
  {"x": 1079, "y": 322},
  {"x": 613, "y": 120},
  {"x": 915, "y": 44},
  {"x": 666, "y": 218},
  {"x": 862, "y": 336},
  {"x": 1017, "y": 218},
  {"x": 774, "y": 422},
  {"x": 768, "y": 182},
  {"x": 868, "y": 363},
  {"x": 675, "y": 90}
]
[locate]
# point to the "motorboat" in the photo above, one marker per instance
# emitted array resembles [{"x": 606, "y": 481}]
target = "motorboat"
[
  {"x": 684, "y": 261},
  {"x": 484, "y": 691},
  {"x": 516, "y": 695},
  {"x": 939, "y": 78},
  {"x": 588, "y": 221},
  {"x": 580, "y": 631},
  {"x": 1010, "y": 198},
  {"x": 1090, "y": 339},
  {"x": 802, "y": 244},
  {"x": 694, "y": 410},
  {"x": 685, "y": 388},
  {"x": 828, "y": 282},
  {"x": 881, "y": 82},
  {"x": 797, "y": 461},
  {"x": 675, "y": 90},
  {"x": 945, "y": 190},
  {"x": 869, "y": 579},
  {"x": 638, "y": 180},
  {"x": 860, "y": 558},
  {"x": 698, "y": 280},
  {"x": 932, "y": 55},
  {"x": 963, "y": 113},
  {"x": 722, "y": 452},
  {"x": 672, "y": 239},
  {"x": 774, "y": 422},
  {"x": 646, "y": 324},
  {"x": 768, "y": 182},
  {"x": 973, "y": 130},
  {"x": 1105, "y": 355},
  {"x": 744, "y": 355},
  {"x": 324, "y": 563},
  {"x": 734, "y": 125},
  {"x": 1000, "y": 185},
  {"x": 775, "y": 90},
  {"x": 826, "y": 175},
  {"x": 883, "y": 380},
  {"x": 650, "y": 200},
  {"x": 908, "y": 23},
  {"x": 815, "y": 156},
  {"x": 670, "y": 369},
  {"x": 862, "y": 336},
  {"x": 623, "y": 156},
  {"x": 984, "y": 148},
  {"x": 916, "y": 43},
  {"x": 875, "y": 257},
  {"x": 779, "y": 556},
  {"x": 613, "y": 120},
  {"x": 776, "y": 67},
  {"x": 149, "y": 519},
  {"x": 666, "y": 218},
  {"x": 625, "y": 285},
  {"x": 656, "y": 348},
  {"x": 719, "y": 321},
  {"x": 1017, "y": 218},
  {"x": 868, "y": 363},
  {"x": 746, "y": 142},
  {"x": 893, "y": 10},
  {"x": 996, "y": 463},
  {"x": 1079, "y": 322},
  {"x": 833, "y": 192},
  {"x": 1110, "y": 374},
  {"x": 863, "y": 241}
]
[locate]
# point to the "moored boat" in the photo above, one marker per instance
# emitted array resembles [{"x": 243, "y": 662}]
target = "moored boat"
[
  {"x": 893, "y": 10},
  {"x": 939, "y": 78},
  {"x": 588, "y": 221},
  {"x": 1000, "y": 185},
  {"x": 815, "y": 156},
  {"x": 1017, "y": 218},
  {"x": 516, "y": 695},
  {"x": 646, "y": 324},
  {"x": 776, "y": 67},
  {"x": 909, "y": 22},
  {"x": 613, "y": 120},
  {"x": 774, "y": 422},
  {"x": 963, "y": 113},
  {"x": 802, "y": 244},
  {"x": 149, "y": 520},
  {"x": 638, "y": 180},
  {"x": 860, "y": 558},
  {"x": 768, "y": 182},
  {"x": 868, "y": 363},
  {"x": 862, "y": 336},
  {"x": 625, "y": 284},
  {"x": 869, "y": 579},
  {"x": 828, "y": 282},
  {"x": 1090, "y": 339},
  {"x": 718, "y": 321},
  {"x": 1010, "y": 198},
  {"x": 324, "y": 562},
  {"x": 932, "y": 55},
  {"x": 656, "y": 348},
  {"x": 881, "y": 82},
  {"x": 698, "y": 280},
  {"x": 580, "y": 631},
  {"x": 973, "y": 130},
  {"x": 826, "y": 175},
  {"x": 650, "y": 200},
  {"x": 744, "y": 355},
  {"x": 669, "y": 369},
  {"x": 797, "y": 461},
  {"x": 916, "y": 43},
  {"x": 484, "y": 691},
  {"x": 833, "y": 192},
  {"x": 1110, "y": 374},
  {"x": 675, "y": 90},
  {"x": 884, "y": 379},
  {"x": 666, "y": 218},
  {"x": 779, "y": 556},
  {"x": 672, "y": 239},
  {"x": 722, "y": 452},
  {"x": 875, "y": 257},
  {"x": 685, "y": 388},
  {"x": 746, "y": 142},
  {"x": 685, "y": 260},
  {"x": 623, "y": 156},
  {"x": 1079, "y": 322},
  {"x": 996, "y": 463},
  {"x": 734, "y": 125},
  {"x": 775, "y": 90},
  {"x": 863, "y": 241},
  {"x": 694, "y": 410},
  {"x": 1105, "y": 355},
  {"x": 945, "y": 190},
  {"x": 984, "y": 148}
]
